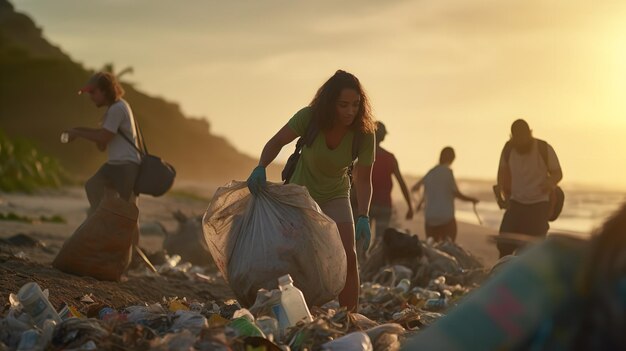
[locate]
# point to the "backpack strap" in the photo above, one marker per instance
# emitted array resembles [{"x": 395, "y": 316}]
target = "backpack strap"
[
  {"x": 356, "y": 146},
  {"x": 130, "y": 142},
  {"x": 143, "y": 149},
  {"x": 542, "y": 145},
  {"x": 543, "y": 151},
  {"x": 309, "y": 137},
  {"x": 312, "y": 130}
]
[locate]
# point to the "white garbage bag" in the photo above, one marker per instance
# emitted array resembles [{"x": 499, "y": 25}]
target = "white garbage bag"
[{"x": 254, "y": 240}]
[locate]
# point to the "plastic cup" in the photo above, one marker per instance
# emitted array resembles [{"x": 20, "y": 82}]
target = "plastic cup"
[{"x": 36, "y": 305}]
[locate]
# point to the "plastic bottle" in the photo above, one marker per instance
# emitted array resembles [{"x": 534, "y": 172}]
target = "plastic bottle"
[
  {"x": 269, "y": 327},
  {"x": 357, "y": 341},
  {"x": 30, "y": 341},
  {"x": 426, "y": 294},
  {"x": 65, "y": 137},
  {"x": 292, "y": 303},
  {"x": 436, "y": 304},
  {"x": 49, "y": 327},
  {"x": 36, "y": 304},
  {"x": 403, "y": 287}
]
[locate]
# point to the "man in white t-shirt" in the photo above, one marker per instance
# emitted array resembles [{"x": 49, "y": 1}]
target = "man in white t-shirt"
[
  {"x": 440, "y": 191},
  {"x": 527, "y": 176},
  {"x": 120, "y": 170}
]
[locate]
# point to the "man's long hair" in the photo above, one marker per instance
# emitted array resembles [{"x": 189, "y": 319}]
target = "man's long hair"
[{"x": 110, "y": 86}]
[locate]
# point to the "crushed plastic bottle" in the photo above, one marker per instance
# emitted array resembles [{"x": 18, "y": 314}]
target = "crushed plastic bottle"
[
  {"x": 188, "y": 320},
  {"x": 426, "y": 294},
  {"x": 403, "y": 286},
  {"x": 30, "y": 341},
  {"x": 438, "y": 283},
  {"x": 358, "y": 341},
  {"x": 269, "y": 327},
  {"x": 436, "y": 304}
]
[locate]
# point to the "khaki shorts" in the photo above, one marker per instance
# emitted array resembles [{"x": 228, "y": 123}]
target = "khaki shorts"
[{"x": 339, "y": 210}]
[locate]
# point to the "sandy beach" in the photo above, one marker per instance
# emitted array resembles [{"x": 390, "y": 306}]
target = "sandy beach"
[
  {"x": 23, "y": 264},
  {"x": 71, "y": 204}
]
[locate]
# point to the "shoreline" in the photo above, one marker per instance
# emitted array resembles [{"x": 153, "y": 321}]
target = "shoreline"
[{"x": 71, "y": 204}]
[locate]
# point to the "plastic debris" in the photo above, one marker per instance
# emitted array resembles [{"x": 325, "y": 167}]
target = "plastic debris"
[
  {"x": 358, "y": 341},
  {"x": 398, "y": 298}
]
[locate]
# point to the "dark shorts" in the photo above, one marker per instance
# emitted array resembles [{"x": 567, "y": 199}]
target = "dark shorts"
[
  {"x": 119, "y": 177},
  {"x": 442, "y": 232},
  {"x": 524, "y": 219}
]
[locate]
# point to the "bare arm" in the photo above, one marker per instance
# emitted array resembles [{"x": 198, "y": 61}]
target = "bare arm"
[
  {"x": 553, "y": 180},
  {"x": 463, "y": 197},
  {"x": 417, "y": 186},
  {"x": 284, "y": 136},
  {"x": 504, "y": 179},
  {"x": 504, "y": 173},
  {"x": 556, "y": 176},
  {"x": 364, "y": 189},
  {"x": 405, "y": 191},
  {"x": 100, "y": 136}
]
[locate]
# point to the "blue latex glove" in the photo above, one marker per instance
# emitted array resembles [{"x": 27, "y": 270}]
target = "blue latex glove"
[
  {"x": 257, "y": 180},
  {"x": 363, "y": 231}
]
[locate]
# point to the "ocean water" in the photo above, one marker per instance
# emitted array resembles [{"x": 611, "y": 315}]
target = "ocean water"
[{"x": 585, "y": 209}]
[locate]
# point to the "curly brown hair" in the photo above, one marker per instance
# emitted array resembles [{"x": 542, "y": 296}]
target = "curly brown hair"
[{"x": 324, "y": 102}]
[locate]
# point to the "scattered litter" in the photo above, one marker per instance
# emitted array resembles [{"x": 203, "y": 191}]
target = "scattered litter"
[
  {"x": 87, "y": 298},
  {"x": 399, "y": 297}
]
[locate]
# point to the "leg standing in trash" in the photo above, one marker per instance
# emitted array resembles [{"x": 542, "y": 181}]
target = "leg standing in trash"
[{"x": 336, "y": 132}]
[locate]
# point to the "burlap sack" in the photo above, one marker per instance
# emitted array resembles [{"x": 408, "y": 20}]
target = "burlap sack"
[{"x": 101, "y": 246}]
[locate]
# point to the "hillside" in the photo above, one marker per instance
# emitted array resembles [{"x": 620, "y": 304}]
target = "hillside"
[{"x": 38, "y": 100}]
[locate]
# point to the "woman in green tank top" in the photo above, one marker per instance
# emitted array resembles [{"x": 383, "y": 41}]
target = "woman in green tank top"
[{"x": 340, "y": 112}]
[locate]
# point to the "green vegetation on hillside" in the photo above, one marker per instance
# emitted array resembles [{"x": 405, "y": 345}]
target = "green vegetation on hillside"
[
  {"x": 23, "y": 168},
  {"x": 38, "y": 100}
]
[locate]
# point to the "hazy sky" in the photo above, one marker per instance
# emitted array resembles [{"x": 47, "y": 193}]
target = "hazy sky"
[{"x": 438, "y": 72}]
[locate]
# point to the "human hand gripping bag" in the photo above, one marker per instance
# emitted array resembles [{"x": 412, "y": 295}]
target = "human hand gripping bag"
[{"x": 254, "y": 240}]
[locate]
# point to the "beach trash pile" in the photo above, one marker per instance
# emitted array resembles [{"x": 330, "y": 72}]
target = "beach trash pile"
[{"x": 393, "y": 306}]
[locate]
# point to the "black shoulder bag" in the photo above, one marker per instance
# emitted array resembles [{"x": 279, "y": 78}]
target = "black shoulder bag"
[{"x": 155, "y": 176}]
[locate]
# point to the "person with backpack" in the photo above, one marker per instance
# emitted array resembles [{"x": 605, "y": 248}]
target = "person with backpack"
[
  {"x": 440, "y": 191},
  {"x": 122, "y": 167},
  {"x": 336, "y": 131},
  {"x": 528, "y": 178}
]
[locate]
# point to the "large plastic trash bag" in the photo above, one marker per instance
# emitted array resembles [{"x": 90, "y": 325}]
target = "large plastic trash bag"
[{"x": 255, "y": 240}]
